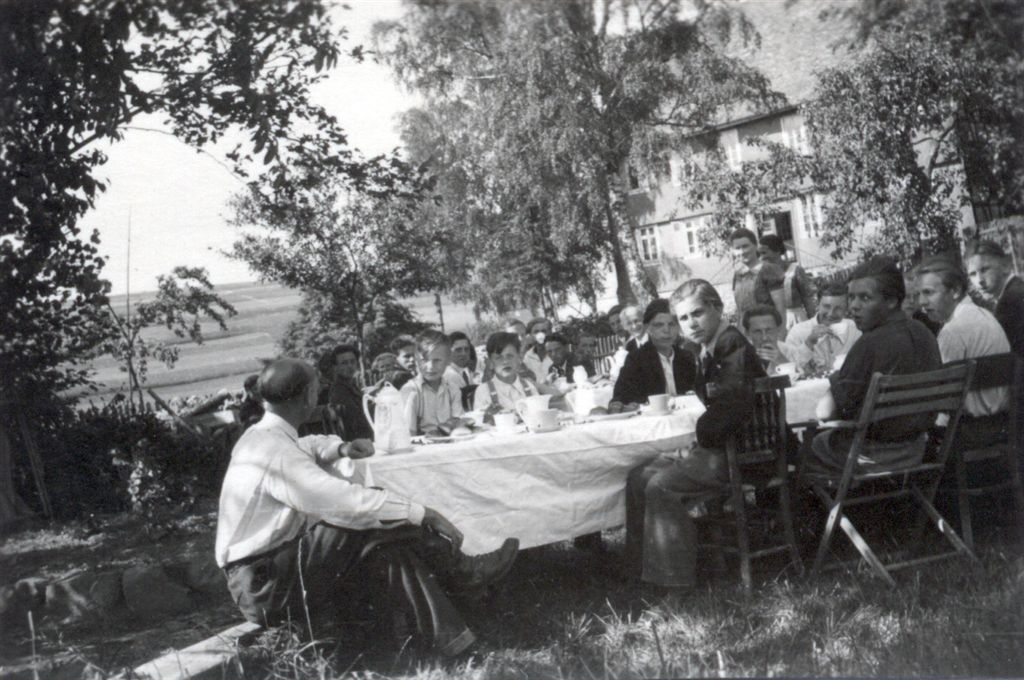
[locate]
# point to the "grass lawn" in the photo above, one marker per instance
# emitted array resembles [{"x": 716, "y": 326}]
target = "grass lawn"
[{"x": 566, "y": 613}]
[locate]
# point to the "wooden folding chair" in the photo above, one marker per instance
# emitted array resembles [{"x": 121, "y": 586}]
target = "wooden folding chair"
[
  {"x": 756, "y": 460},
  {"x": 992, "y": 371},
  {"x": 888, "y": 396}
]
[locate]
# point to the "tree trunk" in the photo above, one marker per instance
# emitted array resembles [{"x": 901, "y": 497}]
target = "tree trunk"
[
  {"x": 623, "y": 286},
  {"x": 11, "y": 505}
]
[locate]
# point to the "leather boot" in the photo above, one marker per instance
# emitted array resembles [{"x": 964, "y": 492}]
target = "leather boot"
[{"x": 479, "y": 571}]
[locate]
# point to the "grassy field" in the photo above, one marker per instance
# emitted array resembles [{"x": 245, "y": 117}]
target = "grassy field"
[
  {"x": 227, "y": 357},
  {"x": 566, "y": 613}
]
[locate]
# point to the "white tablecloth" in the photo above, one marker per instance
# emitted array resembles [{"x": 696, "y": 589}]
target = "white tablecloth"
[{"x": 543, "y": 488}]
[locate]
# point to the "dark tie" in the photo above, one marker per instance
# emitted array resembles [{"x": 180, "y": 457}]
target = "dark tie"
[
  {"x": 707, "y": 362},
  {"x": 465, "y": 377}
]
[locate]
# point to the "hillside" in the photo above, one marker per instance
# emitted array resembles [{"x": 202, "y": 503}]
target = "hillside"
[{"x": 227, "y": 357}]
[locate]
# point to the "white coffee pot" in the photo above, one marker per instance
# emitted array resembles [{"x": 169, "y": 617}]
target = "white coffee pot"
[{"x": 390, "y": 430}]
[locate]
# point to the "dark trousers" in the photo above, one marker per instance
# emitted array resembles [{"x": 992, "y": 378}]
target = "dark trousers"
[
  {"x": 335, "y": 575},
  {"x": 661, "y": 537}
]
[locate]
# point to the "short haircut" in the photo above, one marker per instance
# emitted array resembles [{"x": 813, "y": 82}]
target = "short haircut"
[
  {"x": 761, "y": 310},
  {"x": 952, "y": 275},
  {"x": 381, "y": 358},
  {"x": 834, "y": 289},
  {"x": 344, "y": 349},
  {"x": 988, "y": 248},
  {"x": 534, "y": 322},
  {"x": 654, "y": 308},
  {"x": 886, "y": 274},
  {"x": 514, "y": 322},
  {"x": 401, "y": 341},
  {"x": 737, "y": 234},
  {"x": 284, "y": 380},
  {"x": 699, "y": 288},
  {"x": 430, "y": 339},
  {"x": 557, "y": 337},
  {"x": 250, "y": 382},
  {"x": 614, "y": 311},
  {"x": 774, "y": 243},
  {"x": 497, "y": 342},
  {"x": 455, "y": 336}
]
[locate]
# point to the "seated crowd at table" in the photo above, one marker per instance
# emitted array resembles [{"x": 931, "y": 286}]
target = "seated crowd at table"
[{"x": 283, "y": 514}]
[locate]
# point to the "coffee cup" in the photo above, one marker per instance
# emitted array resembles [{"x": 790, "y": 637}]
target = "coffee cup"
[
  {"x": 505, "y": 422},
  {"x": 787, "y": 369},
  {"x": 657, "y": 403},
  {"x": 546, "y": 419}
]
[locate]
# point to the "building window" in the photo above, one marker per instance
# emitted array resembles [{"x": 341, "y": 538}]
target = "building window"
[
  {"x": 810, "y": 214},
  {"x": 648, "y": 244},
  {"x": 734, "y": 155},
  {"x": 634, "y": 179},
  {"x": 797, "y": 140},
  {"x": 683, "y": 170}
]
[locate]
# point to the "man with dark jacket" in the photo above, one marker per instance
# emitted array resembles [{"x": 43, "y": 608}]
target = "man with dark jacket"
[
  {"x": 892, "y": 344},
  {"x": 661, "y": 538},
  {"x": 658, "y": 366}
]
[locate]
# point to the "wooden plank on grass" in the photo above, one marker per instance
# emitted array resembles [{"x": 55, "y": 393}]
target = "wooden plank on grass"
[{"x": 211, "y": 658}]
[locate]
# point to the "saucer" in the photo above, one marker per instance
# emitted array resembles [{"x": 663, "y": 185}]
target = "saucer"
[
  {"x": 651, "y": 412},
  {"x": 542, "y": 430}
]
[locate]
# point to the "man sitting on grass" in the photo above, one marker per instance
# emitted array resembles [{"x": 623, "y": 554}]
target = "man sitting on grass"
[{"x": 300, "y": 544}]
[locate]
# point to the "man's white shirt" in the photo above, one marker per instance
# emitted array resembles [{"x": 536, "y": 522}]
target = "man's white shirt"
[
  {"x": 839, "y": 341},
  {"x": 276, "y": 487}
]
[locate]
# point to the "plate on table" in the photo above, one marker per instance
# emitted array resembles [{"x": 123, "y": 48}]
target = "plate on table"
[
  {"x": 543, "y": 430},
  {"x": 599, "y": 417}
]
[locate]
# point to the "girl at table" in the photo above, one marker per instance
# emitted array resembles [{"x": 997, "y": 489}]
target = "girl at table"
[
  {"x": 432, "y": 404},
  {"x": 660, "y": 535},
  {"x": 502, "y": 390}
]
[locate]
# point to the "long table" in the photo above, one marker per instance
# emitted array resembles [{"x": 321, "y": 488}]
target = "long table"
[{"x": 544, "y": 488}]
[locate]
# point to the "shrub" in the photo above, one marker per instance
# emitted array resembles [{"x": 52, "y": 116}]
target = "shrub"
[{"x": 103, "y": 459}]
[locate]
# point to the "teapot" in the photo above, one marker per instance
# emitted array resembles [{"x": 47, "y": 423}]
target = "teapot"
[
  {"x": 390, "y": 430},
  {"x": 528, "y": 406}
]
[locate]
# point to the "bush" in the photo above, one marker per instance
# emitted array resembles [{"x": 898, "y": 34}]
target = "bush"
[
  {"x": 596, "y": 324},
  {"x": 105, "y": 458}
]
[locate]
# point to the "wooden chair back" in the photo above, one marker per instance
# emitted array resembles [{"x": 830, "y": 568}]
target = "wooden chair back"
[
  {"x": 763, "y": 438},
  {"x": 606, "y": 346},
  {"x": 931, "y": 392},
  {"x": 756, "y": 460}
]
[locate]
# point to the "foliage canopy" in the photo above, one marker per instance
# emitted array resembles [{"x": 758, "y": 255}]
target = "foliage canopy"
[
  {"x": 76, "y": 75},
  {"x": 532, "y": 112}
]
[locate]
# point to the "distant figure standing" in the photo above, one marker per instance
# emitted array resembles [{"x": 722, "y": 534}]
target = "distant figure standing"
[
  {"x": 798, "y": 290},
  {"x": 755, "y": 282}
]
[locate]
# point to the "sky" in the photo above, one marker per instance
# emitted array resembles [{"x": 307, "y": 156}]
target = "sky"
[{"x": 175, "y": 198}]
